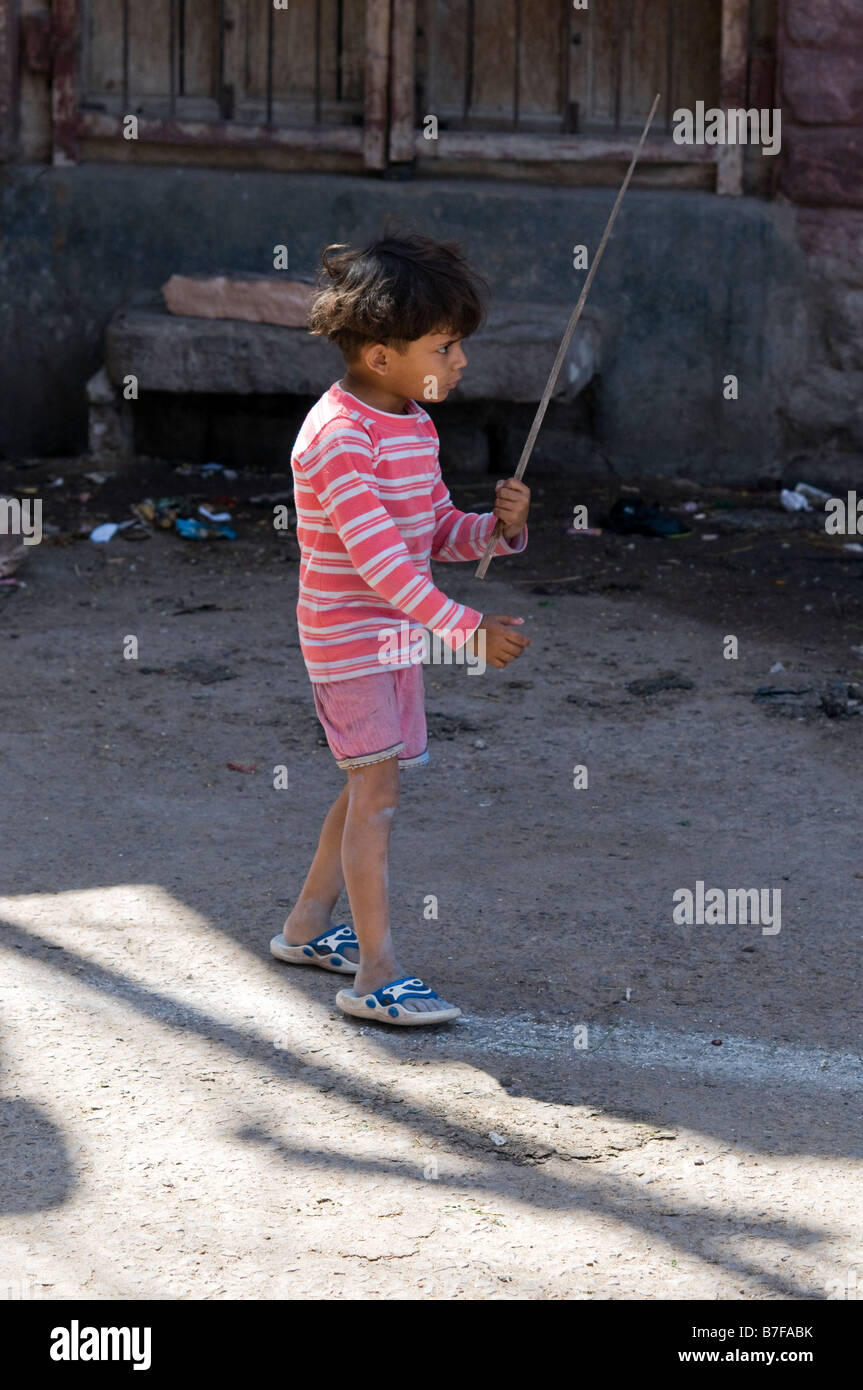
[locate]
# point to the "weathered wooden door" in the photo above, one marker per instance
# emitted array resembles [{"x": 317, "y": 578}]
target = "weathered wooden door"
[
  {"x": 530, "y": 80},
  {"x": 399, "y": 81},
  {"x": 217, "y": 72}
]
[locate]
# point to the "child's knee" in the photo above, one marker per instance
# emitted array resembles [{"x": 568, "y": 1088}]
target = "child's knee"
[{"x": 375, "y": 787}]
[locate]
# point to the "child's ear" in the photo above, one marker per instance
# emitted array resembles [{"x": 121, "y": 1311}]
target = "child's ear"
[{"x": 376, "y": 358}]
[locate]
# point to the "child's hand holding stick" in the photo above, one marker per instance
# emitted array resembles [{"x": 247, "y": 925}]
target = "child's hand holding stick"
[{"x": 512, "y": 504}]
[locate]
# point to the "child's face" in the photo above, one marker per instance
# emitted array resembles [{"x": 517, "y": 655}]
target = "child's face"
[{"x": 427, "y": 370}]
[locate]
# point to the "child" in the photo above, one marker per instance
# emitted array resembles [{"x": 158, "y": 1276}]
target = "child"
[{"x": 372, "y": 509}]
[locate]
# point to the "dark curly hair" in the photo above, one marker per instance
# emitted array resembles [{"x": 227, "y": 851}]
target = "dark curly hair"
[{"x": 393, "y": 291}]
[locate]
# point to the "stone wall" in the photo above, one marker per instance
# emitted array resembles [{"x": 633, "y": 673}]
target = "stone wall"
[
  {"x": 693, "y": 287},
  {"x": 821, "y": 90}
]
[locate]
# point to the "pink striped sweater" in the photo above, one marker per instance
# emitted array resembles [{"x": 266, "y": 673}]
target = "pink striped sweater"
[{"x": 372, "y": 512}]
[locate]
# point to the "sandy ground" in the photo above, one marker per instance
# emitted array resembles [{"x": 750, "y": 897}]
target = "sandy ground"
[{"x": 628, "y": 1109}]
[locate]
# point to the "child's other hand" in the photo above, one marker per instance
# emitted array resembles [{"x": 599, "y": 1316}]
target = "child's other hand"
[
  {"x": 512, "y": 504},
  {"x": 501, "y": 644}
]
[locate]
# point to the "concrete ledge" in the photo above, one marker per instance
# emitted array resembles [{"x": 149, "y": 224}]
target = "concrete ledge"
[{"x": 510, "y": 357}]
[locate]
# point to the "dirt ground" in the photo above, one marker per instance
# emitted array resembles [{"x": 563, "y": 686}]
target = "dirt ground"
[{"x": 628, "y": 1108}]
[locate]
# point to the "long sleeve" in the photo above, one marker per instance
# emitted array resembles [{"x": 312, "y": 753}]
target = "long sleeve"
[
  {"x": 338, "y": 468},
  {"x": 465, "y": 535}
]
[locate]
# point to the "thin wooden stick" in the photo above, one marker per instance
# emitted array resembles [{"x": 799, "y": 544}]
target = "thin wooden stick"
[{"x": 565, "y": 341}]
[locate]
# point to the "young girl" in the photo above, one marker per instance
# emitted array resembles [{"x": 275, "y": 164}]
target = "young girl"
[{"x": 372, "y": 511}]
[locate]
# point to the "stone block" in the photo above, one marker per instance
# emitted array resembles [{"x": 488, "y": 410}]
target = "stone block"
[
  {"x": 218, "y": 356},
  {"x": 252, "y": 298},
  {"x": 824, "y": 404},
  {"x": 822, "y": 87},
  {"x": 833, "y": 238},
  {"x": 834, "y": 24},
  {"x": 509, "y": 359},
  {"x": 824, "y": 167}
]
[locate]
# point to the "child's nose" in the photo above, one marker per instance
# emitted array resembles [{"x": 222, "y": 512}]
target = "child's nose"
[{"x": 460, "y": 357}]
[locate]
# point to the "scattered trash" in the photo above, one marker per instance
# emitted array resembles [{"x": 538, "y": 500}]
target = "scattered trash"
[
  {"x": 175, "y": 513},
  {"x": 717, "y": 1042},
  {"x": 9, "y": 586},
  {"x": 98, "y": 478},
  {"x": 633, "y": 517},
  {"x": 654, "y": 685},
  {"x": 56, "y": 482},
  {"x": 794, "y": 501},
  {"x": 854, "y": 546},
  {"x": 776, "y": 667},
  {"x": 690, "y": 506},
  {"x": 480, "y": 743},
  {"x": 238, "y": 767},
  {"x": 161, "y": 512},
  {"x": 108, "y": 530},
  {"x": 496, "y": 1138},
  {"x": 711, "y": 537},
  {"x": 700, "y": 516},
  {"x": 134, "y": 529},
  {"x": 194, "y": 530},
  {"x": 813, "y": 493},
  {"x": 217, "y": 518}
]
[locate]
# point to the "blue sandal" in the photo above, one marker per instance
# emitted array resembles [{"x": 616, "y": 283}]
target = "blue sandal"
[
  {"x": 322, "y": 951},
  {"x": 383, "y": 1005}
]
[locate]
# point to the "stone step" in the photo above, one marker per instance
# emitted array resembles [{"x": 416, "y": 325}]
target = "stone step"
[{"x": 509, "y": 358}]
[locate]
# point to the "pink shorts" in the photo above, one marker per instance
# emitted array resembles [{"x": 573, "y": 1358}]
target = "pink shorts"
[{"x": 371, "y": 718}]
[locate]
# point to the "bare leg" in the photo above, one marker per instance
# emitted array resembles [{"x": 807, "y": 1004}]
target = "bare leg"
[
  {"x": 373, "y": 797},
  {"x": 312, "y": 912}
]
